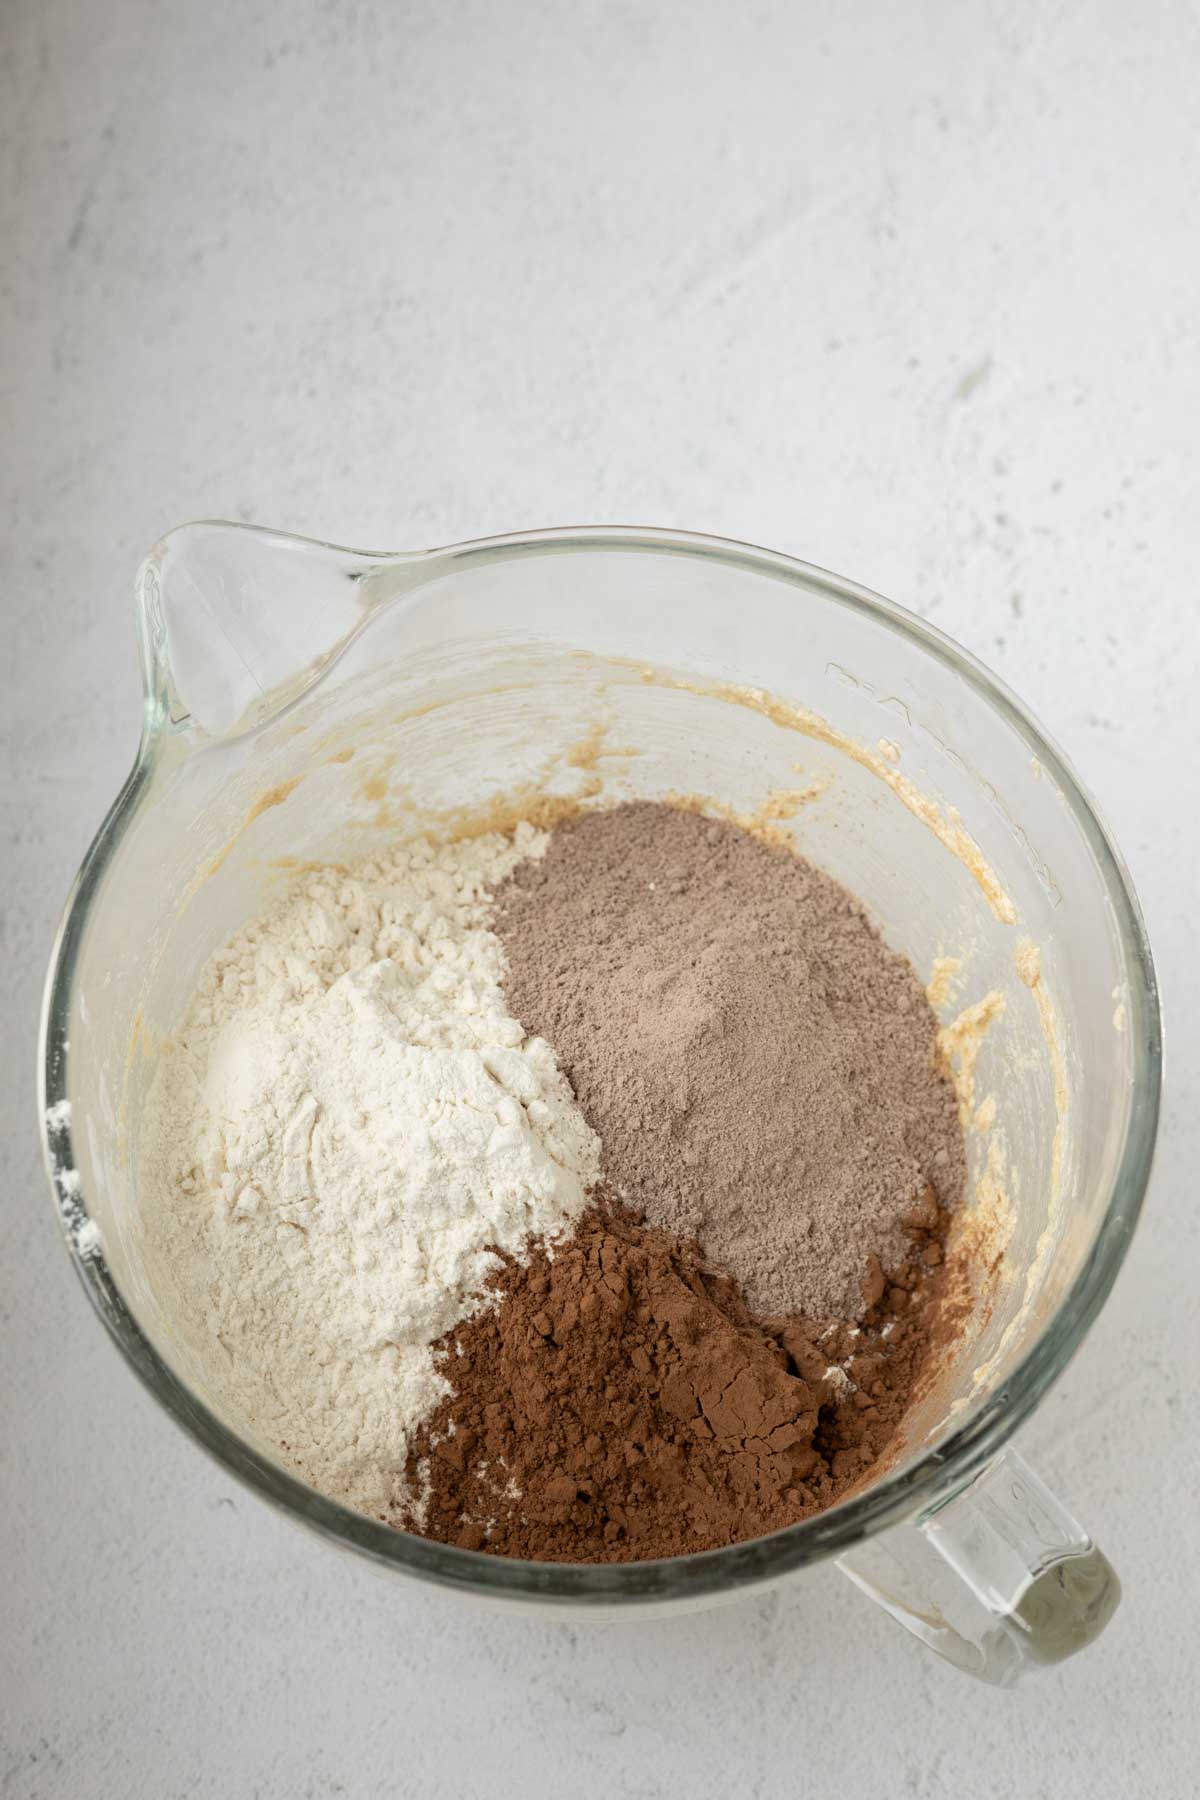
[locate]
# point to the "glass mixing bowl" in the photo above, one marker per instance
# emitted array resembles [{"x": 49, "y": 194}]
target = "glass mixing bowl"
[{"x": 303, "y": 701}]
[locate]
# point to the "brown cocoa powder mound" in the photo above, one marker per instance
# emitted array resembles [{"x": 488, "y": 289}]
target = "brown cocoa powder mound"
[
  {"x": 621, "y": 1402},
  {"x": 759, "y": 1065}
]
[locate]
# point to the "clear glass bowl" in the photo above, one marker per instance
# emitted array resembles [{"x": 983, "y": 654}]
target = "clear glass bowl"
[{"x": 457, "y": 672}]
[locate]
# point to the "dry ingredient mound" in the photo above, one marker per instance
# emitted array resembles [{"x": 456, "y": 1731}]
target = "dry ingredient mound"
[
  {"x": 760, "y": 1067},
  {"x": 347, "y": 1135},
  {"x": 372, "y": 1204},
  {"x": 622, "y": 1402}
]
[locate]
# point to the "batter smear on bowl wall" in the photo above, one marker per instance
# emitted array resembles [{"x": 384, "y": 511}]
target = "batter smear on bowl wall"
[{"x": 578, "y": 1195}]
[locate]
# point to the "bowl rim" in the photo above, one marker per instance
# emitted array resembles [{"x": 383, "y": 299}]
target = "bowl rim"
[{"x": 915, "y": 1489}]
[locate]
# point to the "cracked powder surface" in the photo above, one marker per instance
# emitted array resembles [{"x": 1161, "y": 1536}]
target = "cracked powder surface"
[{"x": 624, "y": 1403}]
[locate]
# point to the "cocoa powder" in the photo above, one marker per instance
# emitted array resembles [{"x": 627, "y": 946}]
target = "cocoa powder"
[
  {"x": 759, "y": 1065},
  {"x": 621, "y": 1401}
]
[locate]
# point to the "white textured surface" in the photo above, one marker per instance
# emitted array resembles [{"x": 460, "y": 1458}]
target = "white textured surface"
[
  {"x": 350, "y": 1069},
  {"x": 911, "y": 290}
]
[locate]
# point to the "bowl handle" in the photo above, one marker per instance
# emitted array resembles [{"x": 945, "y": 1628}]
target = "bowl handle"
[{"x": 1000, "y": 1579}]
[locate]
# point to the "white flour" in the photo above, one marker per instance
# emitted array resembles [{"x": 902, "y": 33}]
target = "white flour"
[{"x": 348, "y": 1120}]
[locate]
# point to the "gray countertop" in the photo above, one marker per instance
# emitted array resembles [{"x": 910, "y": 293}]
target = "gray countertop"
[{"x": 911, "y": 291}]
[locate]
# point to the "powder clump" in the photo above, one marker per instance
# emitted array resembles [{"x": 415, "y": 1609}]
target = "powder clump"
[
  {"x": 348, "y": 1136},
  {"x": 622, "y": 1402},
  {"x": 760, "y": 1067}
]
